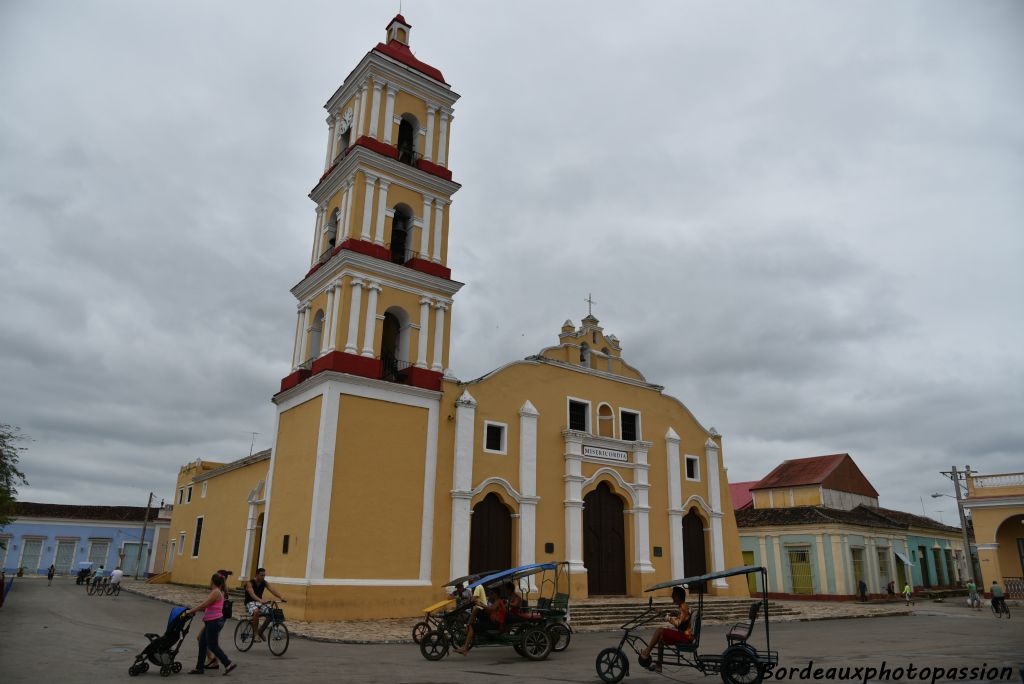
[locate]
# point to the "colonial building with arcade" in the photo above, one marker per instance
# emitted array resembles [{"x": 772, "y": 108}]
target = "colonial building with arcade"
[{"x": 388, "y": 476}]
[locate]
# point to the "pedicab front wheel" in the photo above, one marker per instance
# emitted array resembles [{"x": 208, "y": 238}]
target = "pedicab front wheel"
[
  {"x": 434, "y": 645},
  {"x": 612, "y": 665},
  {"x": 536, "y": 643},
  {"x": 419, "y": 630}
]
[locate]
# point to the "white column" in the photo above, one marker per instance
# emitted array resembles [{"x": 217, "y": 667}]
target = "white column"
[
  {"x": 375, "y": 108},
  {"x": 298, "y": 337},
  {"x": 305, "y": 335},
  {"x": 675, "y": 503},
  {"x": 323, "y": 483},
  {"x": 371, "y": 319},
  {"x": 425, "y": 228},
  {"x": 462, "y": 483},
  {"x": 350, "y": 196},
  {"x": 821, "y": 577},
  {"x": 330, "y": 142},
  {"x": 389, "y": 113},
  {"x": 442, "y": 143},
  {"x": 438, "y": 363},
  {"x": 357, "y": 123},
  {"x": 343, "y": 215},
  {"x": 319, "y": 233},
  {"x": 421, "y": 346},
  {"x": 641, "y": 510},
  {"x": 250, "y": 532},
  {"x": 333, "y": 341},
  {"x": 715, "y": 494},
  {"x": 428, "y": 145},
  {"x": 528, "y": 483},
  {"x": 353, "y": 316},
  {"x": 763, "y": 561},
  {"x": 367, "y": 207},
  {"x": 574, "y": 503},
  {"x": 438, "y": 225},
  {"x": 382, "y": 206},
  {"x": 328, "y": 322},
  {"x": 362, "y": 109}
]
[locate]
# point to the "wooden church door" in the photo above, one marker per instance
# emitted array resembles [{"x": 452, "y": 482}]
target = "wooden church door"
[
  {"x": 490, "y": 536},
  {"x": 694, "y": 560},
  {"x": 604, "y": 542}
]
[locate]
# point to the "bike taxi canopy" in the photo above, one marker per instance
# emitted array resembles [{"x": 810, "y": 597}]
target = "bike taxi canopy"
[
  {"x": 513, "y": 574},
  {"x": 700, "y": 579},
  {"x": 468, "y": 578}
]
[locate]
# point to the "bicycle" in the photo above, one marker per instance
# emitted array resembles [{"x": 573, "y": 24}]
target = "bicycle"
[
  {"x": 114, "y": 589},
  {"x": 273, "y": 617},
  {"x": 90, "y": 585},
  {"x": 100, "y": 585},
  {"x": 999, "y": 608}
]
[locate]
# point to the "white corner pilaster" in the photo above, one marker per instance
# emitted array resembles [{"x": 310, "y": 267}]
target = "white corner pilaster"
[
  {"x": 715, "y": 494},
  {"x": 357, "y": 121},
  {"x": 442, "y": 143},
  {"x": 296, "y": 351},
  {"x": 462, "y": 483},
  {"x": 675, "y": 503},
  {"x": 330, "y": 142},
  {"x": 438, "y": 225},
  {"x": 421, "y": 343},
  {"x": 375, "y": 108},
  {"x": 382, "y": 205},
  {"x": 641, "y": 511},
  {"x": 305, "y": 334},
  {"x": 438, "y": 360},
  {"x": 370, "y": 328},
  {"x": 428, "y": 144},
  {"x": 325, "y": 339},
  {"x": 528, "y": 483},
  {"x": 353, "y": 315},
  {"x": 574, "y": 502},
  {"x": 367, "y": 207},
  {"x": 389, "y": 113},
  {"x": 323, "y": 482},
  {"x": 425, "y": 228},
  {"x": 332, "y": 342}
]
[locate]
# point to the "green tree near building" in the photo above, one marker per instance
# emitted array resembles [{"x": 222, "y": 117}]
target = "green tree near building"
[{"x": 10, "y": 475}]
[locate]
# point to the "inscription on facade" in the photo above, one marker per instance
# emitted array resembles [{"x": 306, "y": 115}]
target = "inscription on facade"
[{"x": 610, "y": 454}]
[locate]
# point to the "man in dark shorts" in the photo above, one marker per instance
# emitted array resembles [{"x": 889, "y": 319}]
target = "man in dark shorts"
[
  {"x": 254, "y": 589},
  {"x": 678, "y": 633}
]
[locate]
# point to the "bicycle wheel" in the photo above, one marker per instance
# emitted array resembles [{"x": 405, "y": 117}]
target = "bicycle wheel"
[
  {"x": 243, "y": 635},
  {"x": 110, "y": 589},
  {"x": 277, "y": 639},
  {"x": 90, "y": 588}
]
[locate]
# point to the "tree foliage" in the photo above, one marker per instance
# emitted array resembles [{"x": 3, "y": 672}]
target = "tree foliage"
[{"x": 10, "y": 475}]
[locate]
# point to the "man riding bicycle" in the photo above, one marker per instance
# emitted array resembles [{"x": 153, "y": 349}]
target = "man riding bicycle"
[
  {"x": 255, "y": 604},
  {"x": 998, "y": 597}
]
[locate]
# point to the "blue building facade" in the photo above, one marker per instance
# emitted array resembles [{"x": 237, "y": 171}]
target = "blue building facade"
[{"x": 64, "y": 535}]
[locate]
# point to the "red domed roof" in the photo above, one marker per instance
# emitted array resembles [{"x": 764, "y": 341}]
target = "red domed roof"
[{"x": 401, "y": 53}]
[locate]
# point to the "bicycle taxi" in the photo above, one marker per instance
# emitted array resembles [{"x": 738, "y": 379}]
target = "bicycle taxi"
[
  {"x": 433, "y": 615},
  {"x": 539, "y": 628},
  {"x": 739, "y": 663}
]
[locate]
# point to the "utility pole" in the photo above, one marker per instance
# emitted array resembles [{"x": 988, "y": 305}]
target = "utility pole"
[
  {"x": 145, "y": 523},
  {"x": 954, "y": 475}
]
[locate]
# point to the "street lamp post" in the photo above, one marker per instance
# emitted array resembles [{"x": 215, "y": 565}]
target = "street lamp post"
[{"x": 955, "y": 475}]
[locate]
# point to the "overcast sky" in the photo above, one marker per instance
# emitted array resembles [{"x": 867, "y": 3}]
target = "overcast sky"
[{"x": 804, "y": 219}]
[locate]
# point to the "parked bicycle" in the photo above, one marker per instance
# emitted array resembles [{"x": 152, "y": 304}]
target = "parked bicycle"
[{"x": 272, "y": 630}]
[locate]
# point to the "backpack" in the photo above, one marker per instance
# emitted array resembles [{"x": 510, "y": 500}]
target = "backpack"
[{"x": 228, "y": 606}]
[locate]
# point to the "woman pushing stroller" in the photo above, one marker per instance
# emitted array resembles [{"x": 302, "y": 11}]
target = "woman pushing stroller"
[{"x": 213, "y": 623}]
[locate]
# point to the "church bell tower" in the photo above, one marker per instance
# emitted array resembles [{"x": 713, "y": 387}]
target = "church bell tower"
[{"x": 376, "y": 301}]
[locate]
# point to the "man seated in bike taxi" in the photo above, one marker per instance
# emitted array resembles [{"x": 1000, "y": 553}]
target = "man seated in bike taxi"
[
  {"x": 255, "y": 604},
  {"x": 488, "y": 616},
  {"x": 679, "y": 633}
]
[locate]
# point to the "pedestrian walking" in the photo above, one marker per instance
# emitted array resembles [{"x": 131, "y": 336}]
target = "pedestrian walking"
[{"x": 49, "y": 575}]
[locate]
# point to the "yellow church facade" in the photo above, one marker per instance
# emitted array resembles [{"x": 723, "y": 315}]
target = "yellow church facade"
[{"x": 388, "y": 476}]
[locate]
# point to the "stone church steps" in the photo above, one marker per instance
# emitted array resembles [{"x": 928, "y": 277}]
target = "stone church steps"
[{"x": 613, "y": 612}]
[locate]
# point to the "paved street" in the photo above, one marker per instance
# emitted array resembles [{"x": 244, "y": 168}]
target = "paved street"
[{"x": 60, "y": 634}]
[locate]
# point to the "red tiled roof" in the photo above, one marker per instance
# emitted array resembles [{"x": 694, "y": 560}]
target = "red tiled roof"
[
  {"x": 741, "y": 495},
  {"x": 29, "y": 509},
  {"x": 813, "y": 515},
  {"x": 401, "y": 53},
  {"x": 836, "y": 471}
]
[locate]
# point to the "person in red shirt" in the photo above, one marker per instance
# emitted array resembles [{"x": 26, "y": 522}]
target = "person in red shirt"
[
  {"x": 680, "y": 631},
  {"x": 491, "y": 616}
]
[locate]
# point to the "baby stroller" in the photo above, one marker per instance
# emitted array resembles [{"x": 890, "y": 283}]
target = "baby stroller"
[{"x": 162, "y": 650}]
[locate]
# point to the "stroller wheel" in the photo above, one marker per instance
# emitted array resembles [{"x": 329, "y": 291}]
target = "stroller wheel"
[
  {"x": 176, "y": 667},
  {"x": 143, "y": 666},
  {"x": 165, "y": 671},
  {"x": 133, "y": 671}
]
